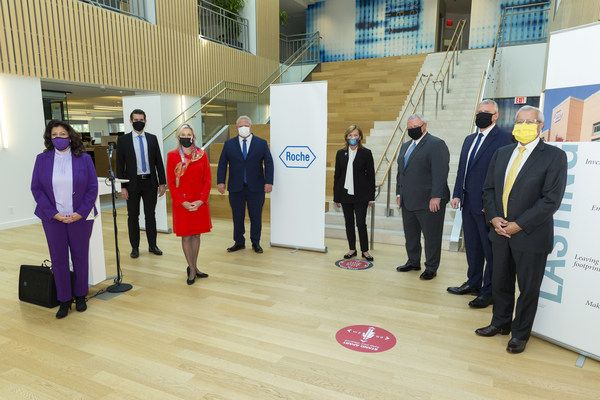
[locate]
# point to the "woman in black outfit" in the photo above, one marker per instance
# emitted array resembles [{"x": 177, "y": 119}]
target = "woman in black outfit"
[{"x": 354, "y": 188}]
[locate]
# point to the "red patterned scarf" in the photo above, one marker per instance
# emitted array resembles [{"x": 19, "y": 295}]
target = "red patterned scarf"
[{"x": 180, "y": 168}]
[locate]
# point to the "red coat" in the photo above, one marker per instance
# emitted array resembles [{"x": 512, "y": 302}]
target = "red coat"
[{"x": 193, "y": 185}]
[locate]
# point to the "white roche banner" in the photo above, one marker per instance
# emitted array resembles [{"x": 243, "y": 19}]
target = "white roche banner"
[{"x": 569, "y": 305}]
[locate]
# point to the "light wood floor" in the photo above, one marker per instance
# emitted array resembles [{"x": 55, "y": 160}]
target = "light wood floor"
[{"x": 263, "y": 327}]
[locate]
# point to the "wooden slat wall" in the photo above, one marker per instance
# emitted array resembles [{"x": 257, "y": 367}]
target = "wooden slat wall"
[
  {"x": 73, "y": 41},
  {"x": 574, "y": 13}
]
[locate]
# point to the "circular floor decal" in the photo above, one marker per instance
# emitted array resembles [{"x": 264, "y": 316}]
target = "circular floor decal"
[
  {"x": 353, "y": 264},
  {"x": 365, "y": 338}
]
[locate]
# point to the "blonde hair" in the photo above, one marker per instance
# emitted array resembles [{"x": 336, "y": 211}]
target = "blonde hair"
[
  {"x": 178, "y": 134},
  {"x": 350, "y": 129}
]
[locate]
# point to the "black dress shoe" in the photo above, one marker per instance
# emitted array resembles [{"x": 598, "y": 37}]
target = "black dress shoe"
[
  {"x": 64, "y": 308},
  {"x": 481, "y": 301},
  {"x": 236, "y": 247},
  {"x": 80, "y": 304},
  {"x": 491, "y": 330},
  {"x": 368, "y": 258},
  {"x": 198, "y": 273},
  {"x": 464, "y": 289},
  {"x": 516, "y": 346},
  {"x": 427, "y": 275},
  {"x": 257, "y": 248},
  {"x": 155, "y": 250},
  {"x": 407, "y": 267},
  {"x": 350, "y": 255},
  {"x": 135, "y": 253},
  {"x": 191, "y": 281}
]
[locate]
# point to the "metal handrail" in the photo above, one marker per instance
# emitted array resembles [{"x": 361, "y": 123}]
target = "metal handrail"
[
  {"x": 409, "y": 101},
  {"x": 501, "y": 23},
  {"x": 256, "y": 91},
  {"x": 454, "y": 48},
  {"x": 478, "y": 100}
]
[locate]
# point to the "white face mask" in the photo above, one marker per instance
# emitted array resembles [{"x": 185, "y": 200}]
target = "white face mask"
[{"x": 244, "y": 131}]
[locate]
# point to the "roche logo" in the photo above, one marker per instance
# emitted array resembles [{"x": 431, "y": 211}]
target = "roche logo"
[{"x": 297, "y": 157}]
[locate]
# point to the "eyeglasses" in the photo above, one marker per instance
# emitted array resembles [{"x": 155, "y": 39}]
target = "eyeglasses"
[{"x": 527, "y": 121}]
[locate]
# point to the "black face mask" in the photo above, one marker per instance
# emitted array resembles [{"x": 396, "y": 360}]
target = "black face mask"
[
  {"x": 415, "y": 133},
  {"x": 185, "y": 141},
  {"x": 138, "y": 126},
  {"x": 483, "y": 119}
]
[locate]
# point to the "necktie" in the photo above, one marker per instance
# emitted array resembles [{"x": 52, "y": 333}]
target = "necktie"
[
  {"x": 410, "y": 150},
  {"x": 510, "y": 179},
  {"x": 142, "y": 153},
  {"x": 245, "y": 154},
  {"x": 474, "y": 151}
]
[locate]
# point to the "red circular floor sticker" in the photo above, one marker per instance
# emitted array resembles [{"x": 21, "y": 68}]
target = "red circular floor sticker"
[
  {"x": 353, "y": 264},
  {"x": 365, "y": 338}
]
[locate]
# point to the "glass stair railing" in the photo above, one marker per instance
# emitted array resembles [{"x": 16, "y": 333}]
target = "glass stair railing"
[{"x": 221, "y": 105}]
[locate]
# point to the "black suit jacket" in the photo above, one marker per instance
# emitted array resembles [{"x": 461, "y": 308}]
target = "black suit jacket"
[
  {"x": 495, "y": 139},
  {"x": 363, "y": 170},
  {"x": 127, "y": 165},
  {"x": 535, "y": 196},
  {"x": 426, "y": 173}
]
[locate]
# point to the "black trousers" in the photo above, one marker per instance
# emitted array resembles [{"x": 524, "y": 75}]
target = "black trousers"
[
  {"x": 148, "y": 193},
  {"x": 432, "y": 227},
  {"x": 360, "y": 210},
  {"x": 528, "y": 269}
]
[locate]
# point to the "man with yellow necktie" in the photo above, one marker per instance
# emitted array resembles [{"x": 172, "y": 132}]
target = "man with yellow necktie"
[{"x": 523, "y": 189}]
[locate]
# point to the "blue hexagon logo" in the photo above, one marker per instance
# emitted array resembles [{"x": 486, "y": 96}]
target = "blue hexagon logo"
[{"x": 297, "y": 156}]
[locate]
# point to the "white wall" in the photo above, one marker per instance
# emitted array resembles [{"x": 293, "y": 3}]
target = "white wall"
[
  {"x": 249, "y": 12},
  {"x": 519, "y": 71},
  {"x": 22, "y": 125}
]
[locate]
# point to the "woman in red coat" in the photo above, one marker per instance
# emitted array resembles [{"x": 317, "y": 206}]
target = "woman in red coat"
[{"x": 189, "y": 180}]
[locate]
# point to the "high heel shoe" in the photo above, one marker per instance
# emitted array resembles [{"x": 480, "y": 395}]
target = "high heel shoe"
[
  {"x": 65, "y": 306},
  {"x": 190, "y": 281},
  {"x": 80, "y": 303},
  {"x": 198, "y": 273}
]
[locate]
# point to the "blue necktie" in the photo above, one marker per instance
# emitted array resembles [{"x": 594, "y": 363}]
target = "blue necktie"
[
  {"x": 473, "y": 152},
  {"x": 245, "y": 154},
  {"x": 410, "y": 150},
  {"x": 142, "y": 153}
]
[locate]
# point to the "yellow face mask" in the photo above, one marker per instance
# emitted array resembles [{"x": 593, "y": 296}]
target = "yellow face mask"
[{"x": 525, "y": 133}]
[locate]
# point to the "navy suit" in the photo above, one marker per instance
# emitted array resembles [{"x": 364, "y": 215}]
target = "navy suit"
[
  {"x": 468, "y": 188},
  {"x": 258, "y": 167},
  {"x": 535, "y": 196}
]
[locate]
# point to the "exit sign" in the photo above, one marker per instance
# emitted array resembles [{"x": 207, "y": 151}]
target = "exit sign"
[{"x": 520, "y": 100}]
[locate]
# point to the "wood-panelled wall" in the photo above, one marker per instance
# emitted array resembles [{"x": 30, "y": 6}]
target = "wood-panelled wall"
[
  {"x": 69, "y": 40},
  {"x": 574, "y": 13}
]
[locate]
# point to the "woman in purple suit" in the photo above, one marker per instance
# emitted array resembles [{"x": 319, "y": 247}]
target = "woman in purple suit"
[{"x": 65, "y": 187}]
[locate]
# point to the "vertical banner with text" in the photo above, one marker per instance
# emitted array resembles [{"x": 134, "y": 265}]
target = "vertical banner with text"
[
  {"x": 569, "y": 306},
  {"x": 299, "y": 149}
]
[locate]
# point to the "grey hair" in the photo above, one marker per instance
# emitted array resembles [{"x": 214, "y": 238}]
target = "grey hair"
[
  {"x": 490, "y": 101},
  {"x": 417, "y": 115},
  {"x": 540, "y": 116},
  {"x": 241, "y": 117}
]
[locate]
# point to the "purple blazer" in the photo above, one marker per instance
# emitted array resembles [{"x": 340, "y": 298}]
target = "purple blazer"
[{"x": 85, "y": 186}]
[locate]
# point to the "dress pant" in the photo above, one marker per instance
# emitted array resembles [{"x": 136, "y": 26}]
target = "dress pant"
[
  {"x": 528, "y": 268},
  {"x": 74, "y": 238},
  {"x": 360, "y": 210},
  {"x": 238, "y": 202},
  {"x": 148, "y": 193},
  {"x": 477, "y": 247},
  {"x": 432, "y": 227}
]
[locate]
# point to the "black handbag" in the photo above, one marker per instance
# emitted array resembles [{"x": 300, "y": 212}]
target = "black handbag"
[{"x": 36, "y": 285}]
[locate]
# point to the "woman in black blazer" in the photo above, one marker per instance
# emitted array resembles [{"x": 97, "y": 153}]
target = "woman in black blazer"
[{"x": 354, "y": 188}]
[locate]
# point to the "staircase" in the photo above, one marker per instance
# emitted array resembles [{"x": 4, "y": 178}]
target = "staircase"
[{"x": 452, "y": 124}]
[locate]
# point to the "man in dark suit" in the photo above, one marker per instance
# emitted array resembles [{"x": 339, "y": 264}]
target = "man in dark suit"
[
  {"x": 524, "y": 187},
  {"x": 475, "y": 157},
  {"x": 422, "y": 193},
  {"x": 250, "y": 177},
  {"x": 140, "y": 161}
]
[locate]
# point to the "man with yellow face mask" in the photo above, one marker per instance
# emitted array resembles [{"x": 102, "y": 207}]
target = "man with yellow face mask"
[{"x": 524, "y": 187}]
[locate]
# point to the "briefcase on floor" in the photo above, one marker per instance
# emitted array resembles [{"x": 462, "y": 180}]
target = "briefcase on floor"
[{"x": 36, "y": 285}]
